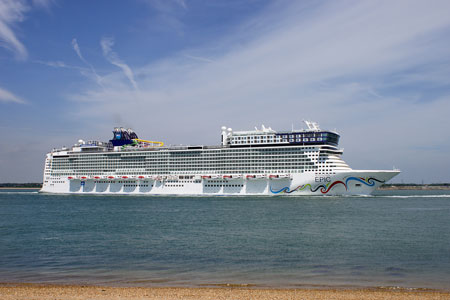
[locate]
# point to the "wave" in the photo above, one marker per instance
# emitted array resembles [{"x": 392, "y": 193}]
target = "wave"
[
  {"x": 412, "y": 196},
  {"x": 34, "y": 192}
]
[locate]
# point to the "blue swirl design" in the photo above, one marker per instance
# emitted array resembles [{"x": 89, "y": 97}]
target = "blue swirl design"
[
  {"x": 285, "y": 189},
  {"x": 359, "y": 180},
  {"x": 367, "y": 181},
  {"x": 324, "y": 189}
]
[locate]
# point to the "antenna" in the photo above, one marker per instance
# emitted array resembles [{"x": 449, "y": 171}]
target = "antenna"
[{"x": 313, "y": 126}]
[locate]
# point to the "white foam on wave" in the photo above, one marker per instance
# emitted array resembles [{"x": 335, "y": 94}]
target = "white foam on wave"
[{"x": 18, "y": 193}]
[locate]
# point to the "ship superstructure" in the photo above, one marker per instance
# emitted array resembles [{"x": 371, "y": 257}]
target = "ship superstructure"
[{"x": 256, "y": 162}]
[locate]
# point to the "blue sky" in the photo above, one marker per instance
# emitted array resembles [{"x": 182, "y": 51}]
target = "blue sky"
[{"x": 177, "y": 70}]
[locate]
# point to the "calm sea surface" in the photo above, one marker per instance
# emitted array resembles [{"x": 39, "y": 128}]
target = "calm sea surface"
[{"x": 395, "y": 238}]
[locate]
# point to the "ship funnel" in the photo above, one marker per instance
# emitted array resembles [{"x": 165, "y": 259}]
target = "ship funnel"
[{"x": 224, "y": 136}]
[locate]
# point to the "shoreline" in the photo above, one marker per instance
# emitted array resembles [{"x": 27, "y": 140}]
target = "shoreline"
[
  {"x": 19, "y": 188},
  {"x": 37, "y": 291},
  {"x": 414, "y": 187}
]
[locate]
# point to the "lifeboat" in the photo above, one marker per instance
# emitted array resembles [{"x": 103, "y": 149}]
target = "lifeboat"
[
  {"x": 227, "y": 176},
  {"x": 96, "y": 177},
  {"x": 110, "y": 177},
  {"x": 83, "y": 177},
  {"x": 124, "y": 177},
  {"x": 250, "y": 176},
  {"x": 273, "y": 176},
  {"x": 70, "y": 178},
  {"x": 141, "y": 177},
  {"x": 206, "y": 177}
]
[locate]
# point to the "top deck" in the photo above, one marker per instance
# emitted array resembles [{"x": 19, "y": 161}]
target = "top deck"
[{"x": 127, "y": 140}]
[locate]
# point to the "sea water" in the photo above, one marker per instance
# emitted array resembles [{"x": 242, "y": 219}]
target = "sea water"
[{"x": 394, "y": 238}]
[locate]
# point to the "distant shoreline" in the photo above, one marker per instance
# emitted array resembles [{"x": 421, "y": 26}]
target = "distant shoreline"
[
  {"x": 20, "y": 188},
  {"x": 425, "y": 187},
  {"x": 25, "y": 185}
]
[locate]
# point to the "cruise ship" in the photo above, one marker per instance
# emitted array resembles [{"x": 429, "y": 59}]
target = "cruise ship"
[{"x": 256, "y": 162}]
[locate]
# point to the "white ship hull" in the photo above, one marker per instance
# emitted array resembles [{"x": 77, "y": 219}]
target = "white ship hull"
[{"x": 353, "y": 182}]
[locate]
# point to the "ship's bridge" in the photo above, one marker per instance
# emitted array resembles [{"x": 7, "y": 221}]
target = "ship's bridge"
[{"x": 267, "y": 136}]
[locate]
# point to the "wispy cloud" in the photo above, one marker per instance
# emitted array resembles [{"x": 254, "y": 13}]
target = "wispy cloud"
[
  {"x": 43, "y": 3},
  {"x": 55, "y": 64},
  {"x": 76, "y": 47},
  {"x": 6, "y": 96},
  {"x": 168, "y": 16},
  {"x": 12, "y": 12},
  {"x": 113, "y": 58},
  {"x": 167, "y": 6},
  {"x": 61, "y": 64},
  {"x": 204, "y": 59},
  {"x": 181, "y": 3}
]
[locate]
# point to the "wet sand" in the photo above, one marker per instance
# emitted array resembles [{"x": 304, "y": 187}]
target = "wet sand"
[{"x": 73, "y": 292}]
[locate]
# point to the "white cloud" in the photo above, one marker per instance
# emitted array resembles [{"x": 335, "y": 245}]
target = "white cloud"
[
  {"x": 12, "y": 12},
  {"x": 6, "y": 96},
  {"x": 181, "y": 3},
  {"x": 168, "y": 16},
  {"x": 77, "y": 49},
  {"x": 43, "y": 3},
  {"x": 198, "y": 58},
  {"x": 113, "y": 58}
]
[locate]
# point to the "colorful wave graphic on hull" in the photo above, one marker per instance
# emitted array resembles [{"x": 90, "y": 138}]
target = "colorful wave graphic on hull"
[{"x": 325, "y": 188}]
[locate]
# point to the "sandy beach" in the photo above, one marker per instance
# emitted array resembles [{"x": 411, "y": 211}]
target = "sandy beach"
[{"x": 72, "y": 292}]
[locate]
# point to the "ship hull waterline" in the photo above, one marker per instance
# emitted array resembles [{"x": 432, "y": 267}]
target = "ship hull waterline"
[{"x": 346, "y": 183}]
